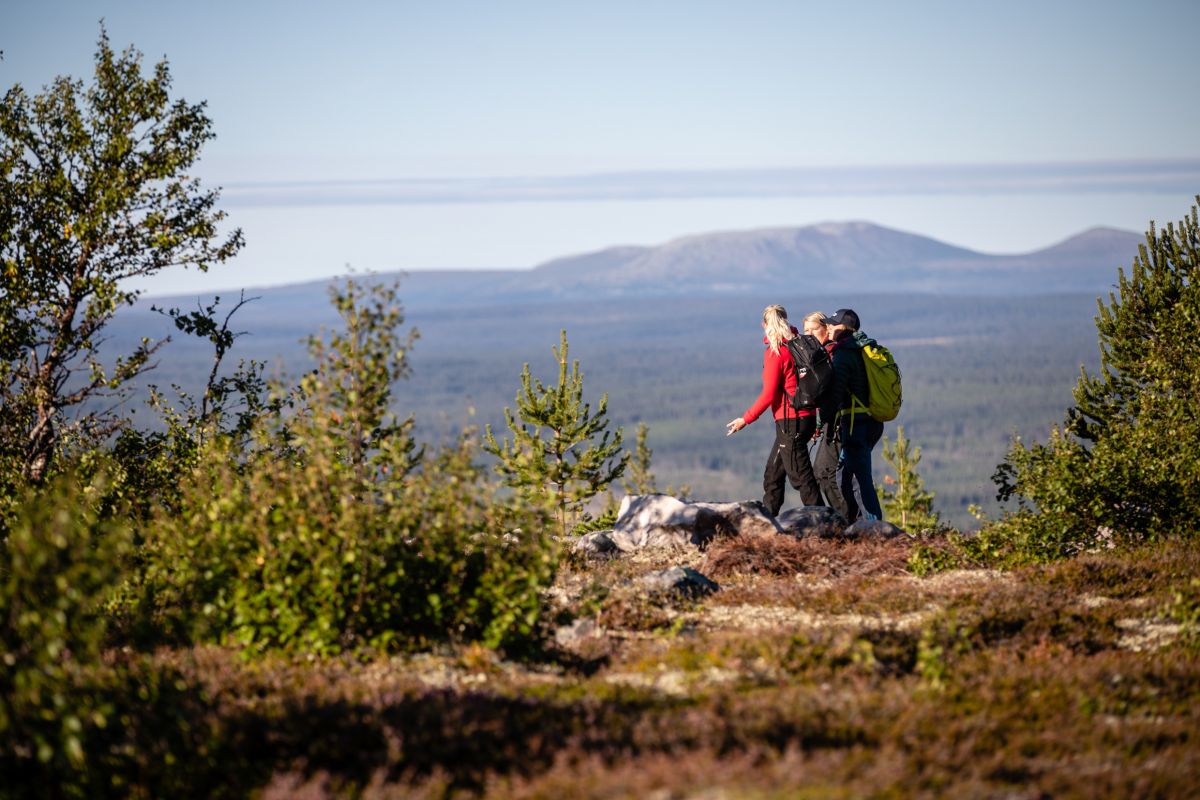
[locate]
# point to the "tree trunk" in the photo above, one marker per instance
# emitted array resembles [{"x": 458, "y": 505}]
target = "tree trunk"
[{"x": 41, "y": 445}]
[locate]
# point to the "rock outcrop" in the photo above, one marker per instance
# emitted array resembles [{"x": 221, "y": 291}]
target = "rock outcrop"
[{"x": 659, "y": 520}]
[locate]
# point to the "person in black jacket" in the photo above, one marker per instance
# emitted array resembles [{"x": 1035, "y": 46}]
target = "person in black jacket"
[
  {"x": 859, "y": 431},
  {"x": 828, "y": 453}
]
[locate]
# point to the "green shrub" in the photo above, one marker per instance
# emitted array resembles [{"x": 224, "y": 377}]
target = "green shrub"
[
  {"x": 145, "y": 464},
  {"x": 73, "y": 721},
  {"x": 1124, "y": 466},
  {"x": 295, "y": 554},
  {"x": 933, "y": 554},
  {"x": 58, "y": 562},
  {"x": 149, "y": 734}
]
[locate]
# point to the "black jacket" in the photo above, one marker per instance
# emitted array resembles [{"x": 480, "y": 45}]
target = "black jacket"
[{"x": 849, "y": 372}]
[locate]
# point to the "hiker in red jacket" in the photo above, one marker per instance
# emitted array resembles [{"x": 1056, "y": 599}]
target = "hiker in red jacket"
[{"x": 789, "y": 453}]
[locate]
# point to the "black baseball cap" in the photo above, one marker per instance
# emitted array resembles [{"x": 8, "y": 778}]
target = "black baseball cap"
[{"x": 843, "y": 316}]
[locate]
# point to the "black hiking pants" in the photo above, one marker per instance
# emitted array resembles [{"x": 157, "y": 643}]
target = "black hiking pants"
[
  {"x": 789, "y": 459},
  {"x": 825, "y": 467}
]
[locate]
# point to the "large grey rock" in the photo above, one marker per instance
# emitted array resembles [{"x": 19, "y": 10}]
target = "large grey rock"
[
  {"x": 657, "y": 520},
  {"x": 678, "y": 580},
  {"x": 821, "y": 521},
  {"x": 647, "y": 517},
  {"x": 872, "y": 529}
]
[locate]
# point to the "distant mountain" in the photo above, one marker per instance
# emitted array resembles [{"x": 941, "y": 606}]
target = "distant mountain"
[
  {"x": 834, "y": 258},
  {"x": 1087, "y": 262},
  {"x": 824, "y": 259},
  {"x": 854, "y": 249},
  {"x": 830, "y": 256}
]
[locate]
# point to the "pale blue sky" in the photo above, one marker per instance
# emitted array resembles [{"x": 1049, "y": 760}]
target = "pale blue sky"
[{"x": 716, "y": 115}]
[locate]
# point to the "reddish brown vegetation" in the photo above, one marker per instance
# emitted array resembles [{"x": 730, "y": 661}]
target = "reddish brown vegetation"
[
  {"x": 823, "y": 558},
  {"x": 857, "y": 680}
]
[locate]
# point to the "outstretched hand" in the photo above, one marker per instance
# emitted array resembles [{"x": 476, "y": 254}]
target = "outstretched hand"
[{"x": 734, "y": 426}]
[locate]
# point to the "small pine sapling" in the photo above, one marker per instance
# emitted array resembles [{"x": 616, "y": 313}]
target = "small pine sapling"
[
  {"x": 905, "y": 499},
  {"x": 640, "y": 479},
  {"x": 561, "y": 454}
]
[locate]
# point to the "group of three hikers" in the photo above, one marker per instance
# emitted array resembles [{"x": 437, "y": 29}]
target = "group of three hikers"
[{"x": 844, "y": 432}]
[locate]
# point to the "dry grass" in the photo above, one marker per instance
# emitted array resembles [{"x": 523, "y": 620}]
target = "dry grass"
[{"x": 821, "y": 558}]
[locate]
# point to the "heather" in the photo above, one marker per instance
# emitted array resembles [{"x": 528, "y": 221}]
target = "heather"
[{"x": 850, "y": 679}]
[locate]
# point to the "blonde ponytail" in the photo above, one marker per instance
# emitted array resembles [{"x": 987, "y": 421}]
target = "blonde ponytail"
[{"x": 776, "y": 326}]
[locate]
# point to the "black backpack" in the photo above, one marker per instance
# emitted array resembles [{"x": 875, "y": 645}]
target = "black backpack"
[{"x": 814, "y": 372}]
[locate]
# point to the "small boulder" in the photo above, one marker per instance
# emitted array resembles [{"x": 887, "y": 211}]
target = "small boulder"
[
  {"x": 597, "y": 543},
  {"x": 821, "y": 521},
  {"x": 624, "y": 541},
  {"x": 872, "y": 529},
  {"x": 648, "y": 510},
  {"x": 678, "y": 580},
  {"x": 671, "y": 536},
  {"x": 748, "y": 518},
  {"x": 579, "y": 630}
]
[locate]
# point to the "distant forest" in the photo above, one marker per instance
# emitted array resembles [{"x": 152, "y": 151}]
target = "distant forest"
[{"x": 976, "y": 371}]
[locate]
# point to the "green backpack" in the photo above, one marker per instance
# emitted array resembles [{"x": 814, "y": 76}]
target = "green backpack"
[{"x": 883, "y": 380}]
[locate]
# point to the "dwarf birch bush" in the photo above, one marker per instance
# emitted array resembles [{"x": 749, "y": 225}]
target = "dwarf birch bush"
[{"x": 295, "y": 554}]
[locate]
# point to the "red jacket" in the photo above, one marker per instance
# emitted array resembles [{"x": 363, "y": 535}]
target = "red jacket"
[{"x": 778, "y": 384}]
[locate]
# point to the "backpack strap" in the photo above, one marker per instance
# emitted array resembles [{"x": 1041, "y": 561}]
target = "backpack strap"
[
  {"x": 856, "y": 407},
  {"x": 787, "y": 402}
]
